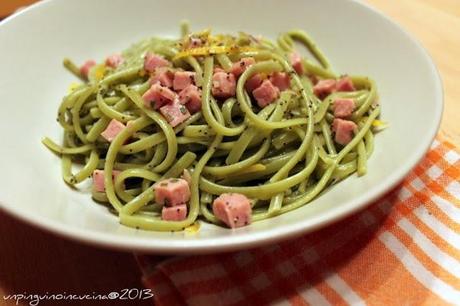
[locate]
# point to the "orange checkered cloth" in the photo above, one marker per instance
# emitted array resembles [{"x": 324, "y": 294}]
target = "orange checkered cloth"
[{"x": 402, "y": 250}]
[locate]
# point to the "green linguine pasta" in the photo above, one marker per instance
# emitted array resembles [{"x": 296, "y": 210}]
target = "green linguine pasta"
[{"x": 231, "y": 114}]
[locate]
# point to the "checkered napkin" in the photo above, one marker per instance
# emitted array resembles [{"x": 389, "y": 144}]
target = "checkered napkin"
[{"x": 402, "y": 250}]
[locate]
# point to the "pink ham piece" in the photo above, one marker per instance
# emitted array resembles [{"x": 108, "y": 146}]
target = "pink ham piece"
[
  {"x": 239, "y": 67},
  {"x": 163, "y": 76},
  {"x": 98, "y": 179},
  {"x": 233, "y": 209},
  {"x": 296, "y": 62},
  {"x": 176, "y": 213},
  {"x": 172, "y": 192},
  {"x": 253, "y": 82},
  {"x": 158, "y": 94},
  {"x": 112, "y": 130},
  {"x": 344, "y": 130},
  {"x": 114, "y": 60},
  {"x": 280, "y": 80},
  {"x": 324, "y": 87},
  {"x": 175, "y": 113},
  {"x": 343, "y": 108},
  {"x": 191, "y": 97},
  {"x": 152, "y": 61},
  {"x": 223, "y": 85},
  {"x": 84, "y": 69},
  {"x": 345, "y": 84},
  {"x": 182, "y": 79},
  {"x": 266, "y": 93}
]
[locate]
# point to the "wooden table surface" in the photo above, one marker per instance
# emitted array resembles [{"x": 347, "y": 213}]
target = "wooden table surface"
[{"x": 33, "y": 261}]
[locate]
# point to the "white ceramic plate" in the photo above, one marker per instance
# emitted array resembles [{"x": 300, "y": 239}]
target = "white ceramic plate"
[{"x": 356, "y": 38}]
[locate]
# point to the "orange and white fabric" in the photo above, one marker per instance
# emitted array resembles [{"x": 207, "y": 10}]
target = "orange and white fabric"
[{"x": 402, "y": 250}]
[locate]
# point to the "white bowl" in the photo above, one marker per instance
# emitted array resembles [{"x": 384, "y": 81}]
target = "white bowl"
[{"x": 356, "y": 38}]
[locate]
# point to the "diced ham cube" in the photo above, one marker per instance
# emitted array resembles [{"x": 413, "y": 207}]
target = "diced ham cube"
[
  {"x": 172, "y": 192},
  {"x": 183, "y": 79},
  {"x": 176, "y": 213},
  {"x": 239, "y": 67},
  {"x": 84, "y": 69},
  {"x": 175, "y": 113},
  {"x": 98, "y": 179},
  {"x": 223, "y": 85},
  {"x": 253, "y": 82},
  {"x": 112, "y": 130},
  {"x": 191, "y": 97},
  {"x": 266, "y": 93},
  {"x": 114, "y": 60},
  {"x": 233, "y": 209},
  {"x": 296, "y": 62},
  {"x": 324, "y": 87},
  {"x": 345, "y": 84},
  {"x": 162, "y": 75},
  {"x": 158, "y": 94},
  {"x": 152, "y": 61},
  {"x": 343, "y": 108},
  {"x": 344, "y": 130},
  {"x": 280, "y": 80}
]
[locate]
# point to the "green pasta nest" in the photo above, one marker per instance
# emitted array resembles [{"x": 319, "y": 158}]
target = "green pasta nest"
[{"x": 280, "y": 156}]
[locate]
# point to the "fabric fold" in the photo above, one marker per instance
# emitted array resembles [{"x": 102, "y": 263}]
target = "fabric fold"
[{"x": 402, "y": 249}]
